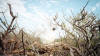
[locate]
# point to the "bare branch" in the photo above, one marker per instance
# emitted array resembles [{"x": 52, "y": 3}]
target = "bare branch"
[
  {"x": 23, "y": 42},
  {"x": 83, "y": 12},
  {"x": 13, "y": 18}
]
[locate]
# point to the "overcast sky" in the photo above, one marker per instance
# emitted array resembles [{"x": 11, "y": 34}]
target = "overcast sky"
[{"x": 36, "y": 15}]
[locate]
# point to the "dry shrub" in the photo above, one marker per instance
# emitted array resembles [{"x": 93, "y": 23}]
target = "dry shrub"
[{"x": 86, "y": 41}]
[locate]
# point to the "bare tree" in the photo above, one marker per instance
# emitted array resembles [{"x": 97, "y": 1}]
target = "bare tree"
[{"x": 8, "y": 28}]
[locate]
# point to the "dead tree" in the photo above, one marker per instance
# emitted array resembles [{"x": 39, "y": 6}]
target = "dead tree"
[{"x": 8, "y": 28}]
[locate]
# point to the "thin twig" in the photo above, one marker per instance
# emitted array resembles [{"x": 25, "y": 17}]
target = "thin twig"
[{"x": 23, "y": 43}]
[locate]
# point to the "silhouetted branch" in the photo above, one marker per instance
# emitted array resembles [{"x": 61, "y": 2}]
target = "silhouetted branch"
[
  {"x": 13, "y": 18},
  {"x": 23, "y": 42},
  {"x": 83, "y": 12}
]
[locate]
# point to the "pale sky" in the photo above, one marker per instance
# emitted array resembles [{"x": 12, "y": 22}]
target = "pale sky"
[{"x": 36, "y": 15}]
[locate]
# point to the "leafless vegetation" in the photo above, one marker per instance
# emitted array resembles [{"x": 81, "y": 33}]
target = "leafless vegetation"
[{"x": 83, "y": 41}]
